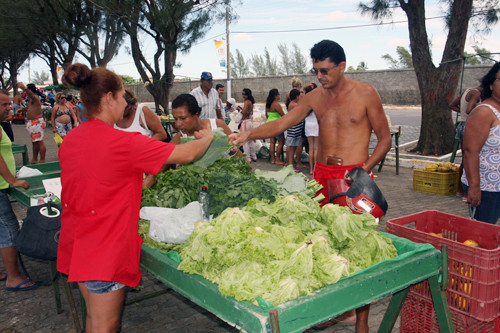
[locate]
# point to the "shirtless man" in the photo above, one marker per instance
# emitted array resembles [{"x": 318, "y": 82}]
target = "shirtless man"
[
  {"x": 347, "y": 111},
  {"x": 35, "y": 124}
]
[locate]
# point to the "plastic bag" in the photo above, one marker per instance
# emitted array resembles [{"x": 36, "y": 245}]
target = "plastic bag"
[
  {"x": 27, "y": 172},
  {"x": 58, "y": 139},
  {"x": 170, "y": 225}
]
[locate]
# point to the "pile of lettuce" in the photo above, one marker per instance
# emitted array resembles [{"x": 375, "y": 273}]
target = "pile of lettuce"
[
  {"x": 269, "y": 253},
  {"x": 230, "y": 183}
]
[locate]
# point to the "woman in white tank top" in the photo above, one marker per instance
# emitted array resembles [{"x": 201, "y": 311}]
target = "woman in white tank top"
[{"x": 140, "y": 118}]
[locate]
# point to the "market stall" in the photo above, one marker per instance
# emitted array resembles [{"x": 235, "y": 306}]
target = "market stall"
[{"x": 414, "y": 263}]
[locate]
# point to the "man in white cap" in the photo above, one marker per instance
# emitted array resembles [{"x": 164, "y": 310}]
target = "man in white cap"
[{"x": 207, "y": 97}]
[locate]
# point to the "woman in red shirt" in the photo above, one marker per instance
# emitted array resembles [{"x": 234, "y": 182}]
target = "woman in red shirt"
[{"x": 101, "y": 176}]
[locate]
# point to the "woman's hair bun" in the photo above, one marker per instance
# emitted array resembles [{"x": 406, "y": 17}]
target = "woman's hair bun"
[{"x": 77, "y": 75}]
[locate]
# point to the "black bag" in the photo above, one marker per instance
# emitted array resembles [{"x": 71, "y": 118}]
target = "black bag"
[{"x": 39, "y": 234}]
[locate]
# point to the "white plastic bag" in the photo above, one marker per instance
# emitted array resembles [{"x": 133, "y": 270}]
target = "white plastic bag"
[
  {"x": 172, "y": 225},
  {"x": 27, "y": 172}
]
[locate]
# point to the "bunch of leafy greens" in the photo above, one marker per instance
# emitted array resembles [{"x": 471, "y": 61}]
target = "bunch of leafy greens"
[
  {"x": 230, "y": 183},
  {"x": 218, "y": 148},
  {"x": 290, "y": 182},
  {"x": 277, "y": 251}
]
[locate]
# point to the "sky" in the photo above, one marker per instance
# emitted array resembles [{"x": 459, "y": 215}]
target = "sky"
[{"x": 261, "y": 24}]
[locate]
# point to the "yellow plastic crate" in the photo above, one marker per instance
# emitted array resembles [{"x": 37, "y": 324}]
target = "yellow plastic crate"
[{"x": 443, "y": 183}]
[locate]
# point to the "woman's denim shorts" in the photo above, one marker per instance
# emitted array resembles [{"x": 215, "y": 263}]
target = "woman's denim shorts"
[{"x": 102, "y": 287}]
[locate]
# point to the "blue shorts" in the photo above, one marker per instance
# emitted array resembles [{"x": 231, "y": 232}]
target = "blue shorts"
[
  {"x": 489, "y": 209},
  {"x": 460, "y": 131},
  {"x": 293, "y": 141},
  {"x": 102, "y": 287},
  {"x": 9, "y": 226},
  {"x": 280, "y": 136}
]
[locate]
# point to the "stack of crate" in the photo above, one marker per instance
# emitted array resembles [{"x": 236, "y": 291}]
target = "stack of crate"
[{"x": 473, "y": 272}]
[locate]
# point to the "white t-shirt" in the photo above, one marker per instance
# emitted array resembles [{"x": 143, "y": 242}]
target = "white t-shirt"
[{"x": 208, "y": 104}]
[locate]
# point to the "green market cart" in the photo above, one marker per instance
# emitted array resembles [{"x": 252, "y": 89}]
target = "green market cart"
[{"x": 415, "y": 263}]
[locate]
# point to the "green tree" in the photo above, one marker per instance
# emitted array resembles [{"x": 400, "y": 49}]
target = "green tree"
[
  {"x": 271, "y": 64},
  {"x": 174, "y": 25},
  {"x": 479, "y": 57},
  {"x": 286, "y": 62},
  {"x": 40, "y": 77},
  {"x": 102, "y": 37},
  {"x": 404, "y": 59},
  {"x": 127, "y": 79},
  {"x": 362, "y": 66},
  {"x": 299, "y": 61},
  {"x": 436, "y": 84},
  {"x": 18, "y": 38},
  {"x": 258, "y": 65},
  {"x": 239, "y": 67}
]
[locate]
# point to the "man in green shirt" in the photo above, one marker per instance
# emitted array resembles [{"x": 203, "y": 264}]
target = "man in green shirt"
[{"x": 9, "y": 226}]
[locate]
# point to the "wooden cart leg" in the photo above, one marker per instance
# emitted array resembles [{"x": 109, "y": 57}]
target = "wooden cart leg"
[
  {"x": 275, "y": 323},
  {"x": 71, "y": 304},
  {"x": 393, "y": 310},
  {"x": 55, "y": 285},
  {"x": 440, "y": 305}
]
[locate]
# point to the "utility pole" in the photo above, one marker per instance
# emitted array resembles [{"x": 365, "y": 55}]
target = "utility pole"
[{"x": 228, "y": 66}]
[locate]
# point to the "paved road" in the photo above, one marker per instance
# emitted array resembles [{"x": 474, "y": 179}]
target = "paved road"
[{"x": 34, "y": 311}]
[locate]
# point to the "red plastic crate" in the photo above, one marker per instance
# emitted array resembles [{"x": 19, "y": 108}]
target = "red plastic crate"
[
  {"x": 473, "y": 272},
  {"x": 418, "y": 315}
]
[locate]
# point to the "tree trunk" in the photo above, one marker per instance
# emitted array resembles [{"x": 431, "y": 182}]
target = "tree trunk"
[
  {"x": 437, "y": 131},
  {"x": 437, "y": 85}
]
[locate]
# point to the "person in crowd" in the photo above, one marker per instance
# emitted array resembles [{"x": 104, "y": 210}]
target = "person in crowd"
[
  {"x": 140, "y": 118},
  {"x": 62, "y": 117},
  {"x": 464, "y": 104},
  {"x": 35, "y": 124},
  {"x": 296, "y": 84},
  {"x": 311, "y": 130},
  {"x": 481, "y": 145},
  {"x": 294, "y": 133},
  {"x": 19, "y": 105},
  {"x": 229, "y": 108},
  {"x": 347, "y": 111},
  {"x": 81, "y": 111},
  {"x": 207, "y": 97},
  {"x": 274, "y": 112},
  {"x": 220, "y": 91},
  {"x": 7, "y": 126},
  {"x": 186, "y": 113},
  {"x": 52, "y": 98},
  {"x": 9, "y": 225},
  {"x": 71, "y": 101},
  {"x": 247, "y": 123},
  {"x": 101, "y": 176}
]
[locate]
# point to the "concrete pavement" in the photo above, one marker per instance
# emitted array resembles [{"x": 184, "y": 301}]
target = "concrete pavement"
[{"x": 34, "y": 311}]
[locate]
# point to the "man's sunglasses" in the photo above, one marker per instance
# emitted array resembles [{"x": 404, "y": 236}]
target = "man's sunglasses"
[{"x": 323, "y": 71}]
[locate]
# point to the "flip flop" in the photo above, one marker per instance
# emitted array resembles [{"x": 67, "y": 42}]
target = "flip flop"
[
  {"x": 5, "y": 277},
  {"x": 280, "y": 163},
  {"x": 19, "y": 286}
]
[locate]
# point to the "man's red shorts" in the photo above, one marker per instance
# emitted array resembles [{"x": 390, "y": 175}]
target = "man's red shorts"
[{"x": 323, "y": 173}]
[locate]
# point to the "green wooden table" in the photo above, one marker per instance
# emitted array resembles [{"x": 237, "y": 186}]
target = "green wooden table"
[
  {"x": 49, "y": 170},
  {"x": 415, "y": 263}
]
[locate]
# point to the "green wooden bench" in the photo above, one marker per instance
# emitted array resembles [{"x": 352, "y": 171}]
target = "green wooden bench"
[{"x": 21, "y": 149}]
